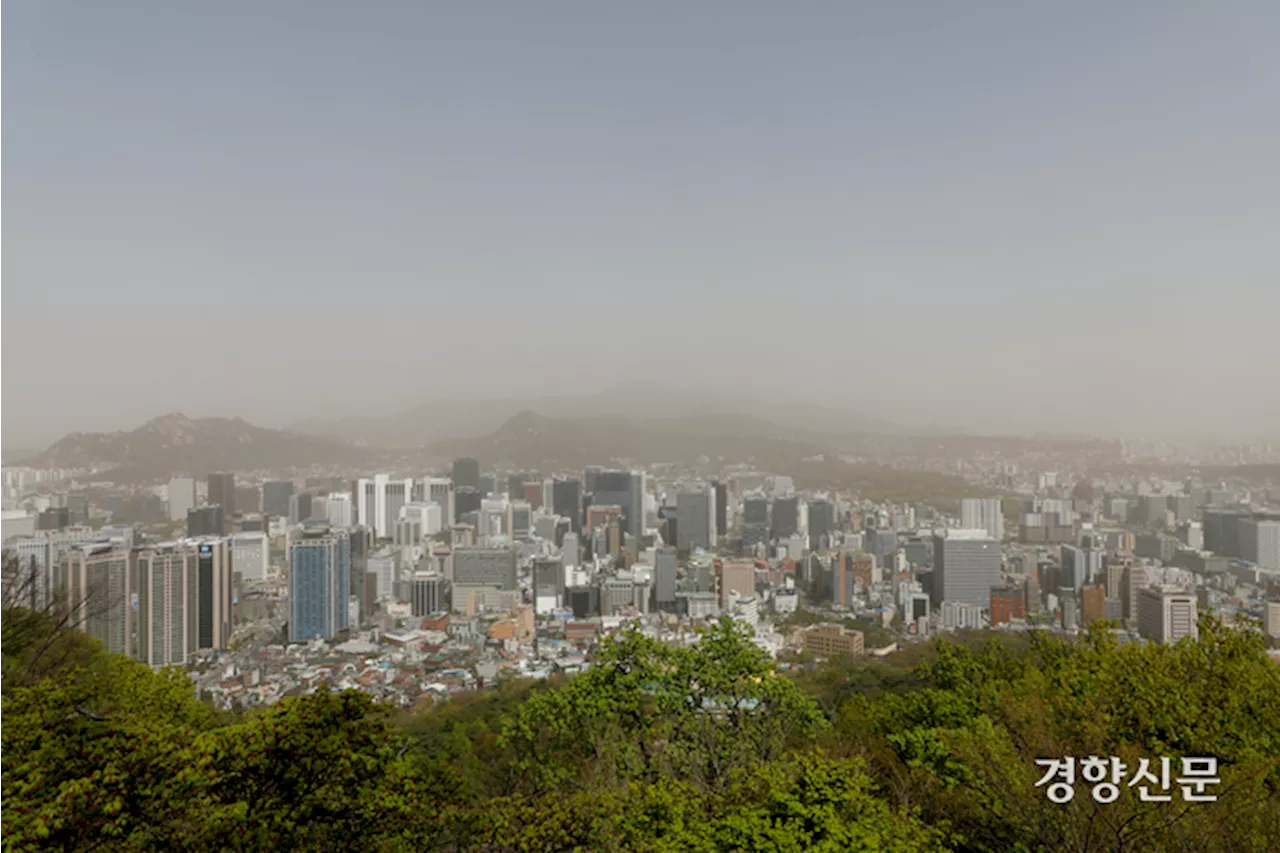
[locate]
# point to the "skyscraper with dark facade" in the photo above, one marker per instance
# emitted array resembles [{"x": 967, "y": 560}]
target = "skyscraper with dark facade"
[
  {"x": 786, "y": 517},
  {"x": 466, "y": 473},
  {"x": 625, "y": 489},
  {"x": 205, "y": 521},
  {"x": 222, "y": 491},
  {"x": 696, "y": 517},
  {"x": 275, "y": 497},
  {"x": 299, "y": 508},
  {"x": 722, "y": 507},
  {"x": 755, "y": 520},
  {"x": 466, "y": 500},
  {"x": 566, "y": 500},
  {"x": 515, "y": 484},
  {"x": 664, "y": 578},
  {"x": 822, "y": 523}
]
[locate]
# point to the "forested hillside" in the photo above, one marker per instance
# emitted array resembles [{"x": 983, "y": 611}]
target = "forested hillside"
[{"x": 655, "y": 749}]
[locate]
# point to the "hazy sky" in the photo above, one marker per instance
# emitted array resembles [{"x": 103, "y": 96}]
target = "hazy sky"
[{"x": 999, "y": 216}]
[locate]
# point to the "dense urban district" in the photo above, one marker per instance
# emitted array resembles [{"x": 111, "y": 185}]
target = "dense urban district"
[{"x": 787, "y": 646}]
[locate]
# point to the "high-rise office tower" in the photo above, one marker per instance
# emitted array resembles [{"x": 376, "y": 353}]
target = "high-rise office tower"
[
  {"x": 184, "y": 599},
  {"x": 95, "y": 580},
  {"x": 1271, "y": 618},
  {"x": 466, "y": 500},
  {"x": 488, "y": 485},
  {"x": 737, "y": 578},
  {"x": 569, "y": 547},
  {"x": 1080, "y": 566},
  {"x": 1166, "y": 614},
  {"x": 206, "y": 520},
  {"x": 664, "y": 578},
  {"x": 722, "y": 509},
  {"x": 275, "y": 497},
  {"x": 613, "y": 488},
  {"x": 516, "y": 483},
  {"x": 983, "y": 514},
  {"x": 182, "y": 497},
  {"x": 591, "y": 479},
  {"x": 882, "y": 543},
  {"x": 1136, "y": 579},
  {"x": 384, "y": 565},
  {"x": 417, "y": 522},
  {"x": 466, "y": 473},
  {"x": 251, "y": 555},
  {"x": 439, "y": 490},
  {"x": 786, "y": 517},
  {"x": 1259, "y": 539},
  {"x": 319, "y": 582},
  {"x": 360, "y": 544},
  {"x": 1093, "y": 603},
  {"x": 755, "y": 520},
  {"x": 822, "y": 523},
  {"x": 548, "y": 585},
  {"x": 378, "y": 502},
  {"x": 966, "y": 565},
  {"x": 248, "y": 499},
  {"x": 521, "y": 520},
  {"x": 566, "y": 500},
  {"x": 695, "y": 511},
  {"x": 300, "y": 507},
  {"x": 1222, "y": 530},
  {"x": 222, "y": 491},
  {"x": 339, "y": 509},
  {"x": 428, "y": 593},
  {"x": 495, "y": 518},
  {"x": 636, "y": 522}
]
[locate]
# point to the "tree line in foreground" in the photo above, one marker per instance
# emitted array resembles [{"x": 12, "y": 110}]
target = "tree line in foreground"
[{"x": 656, "y": 748}]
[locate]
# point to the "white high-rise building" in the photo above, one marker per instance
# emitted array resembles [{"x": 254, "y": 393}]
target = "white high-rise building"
[
  {"x": 983, "y": 514},
  {"x": 182, "y": 497},
  {"x": 1271, "y": 619},
  {"x": 251, "y": 555},
  {"x": 1166, "y": 614},
  {"x": 1260, "y": 542},
  {"x": 383, "y": 564},
  {"x": 495, "y": 518},
  {"x": 569, "y": 548},
  {"x": 339, "y": 510},
  {"x": 439, "y": 490},
  {"x": 418, "y": 521},
  {"x": 378, "y": 502}
]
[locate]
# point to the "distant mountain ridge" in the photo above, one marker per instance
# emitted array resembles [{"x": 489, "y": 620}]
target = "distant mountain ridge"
[
  {"x": 175, "y": 442},
  {"x": 532, "y": 440},
  {"x": 535, "y": 442},
  {"x": 441, "y": 420}
]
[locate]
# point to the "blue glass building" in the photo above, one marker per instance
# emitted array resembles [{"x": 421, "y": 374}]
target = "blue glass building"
[{"x": 319, "y": 583}]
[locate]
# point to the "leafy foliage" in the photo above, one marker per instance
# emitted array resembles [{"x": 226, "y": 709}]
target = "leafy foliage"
[{"x": 655, "y": 748}]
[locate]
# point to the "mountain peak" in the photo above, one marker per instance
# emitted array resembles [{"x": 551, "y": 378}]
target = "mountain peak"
[
  {"x": 524, "y": 423},
  {"x": 174, "y": 442}
]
